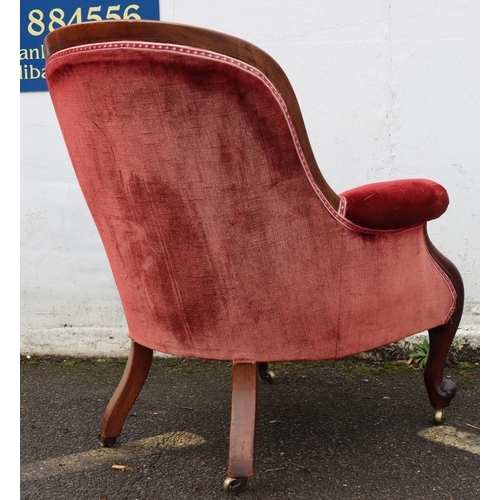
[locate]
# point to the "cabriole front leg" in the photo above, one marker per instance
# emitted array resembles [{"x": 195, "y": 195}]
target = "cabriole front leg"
[{"x": 440, "y": 391}]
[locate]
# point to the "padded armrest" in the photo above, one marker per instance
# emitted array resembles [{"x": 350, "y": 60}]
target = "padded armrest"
[{"x": 394, "y": 204}]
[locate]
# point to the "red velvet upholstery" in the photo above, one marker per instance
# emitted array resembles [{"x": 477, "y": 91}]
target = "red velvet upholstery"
[
  {"x": 221, "y": 243},
  {"x": 394, "y": 204}
]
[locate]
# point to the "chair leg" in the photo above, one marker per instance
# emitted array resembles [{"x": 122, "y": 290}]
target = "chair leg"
[
  {"x": 243, "y": 426},
  {"x": 266, "y": 374},
  {"x": 131, "y": 383},
  {"x": 440, "y": 391}
]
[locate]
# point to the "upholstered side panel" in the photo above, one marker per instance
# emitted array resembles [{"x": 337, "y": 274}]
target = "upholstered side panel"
[
  {"x": 389, "y": 283},
  {"x": 219, "y": 245}
]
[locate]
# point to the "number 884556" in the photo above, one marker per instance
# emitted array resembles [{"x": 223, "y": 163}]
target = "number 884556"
[{"x": 38, "y": 24}]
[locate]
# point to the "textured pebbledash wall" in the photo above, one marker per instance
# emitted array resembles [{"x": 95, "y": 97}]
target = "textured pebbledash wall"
[{"x": 388, "y": 89}]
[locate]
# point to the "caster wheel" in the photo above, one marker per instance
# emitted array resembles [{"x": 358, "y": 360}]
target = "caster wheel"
[
  {"x": 268, "y": 376},
  {"x": 107, "y": 442},
  {"x": 234, "y": 485},
  {"x": 439, "y": 417}
]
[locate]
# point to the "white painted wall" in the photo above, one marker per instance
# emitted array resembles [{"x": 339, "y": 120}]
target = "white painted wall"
[{"x": 388, "y": 89}]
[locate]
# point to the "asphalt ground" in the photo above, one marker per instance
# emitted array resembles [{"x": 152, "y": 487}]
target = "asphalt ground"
[{"x": 335, "y": 430}]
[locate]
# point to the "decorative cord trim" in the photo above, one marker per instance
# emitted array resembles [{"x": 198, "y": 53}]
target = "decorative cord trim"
[{"x": 342, "y": 206}]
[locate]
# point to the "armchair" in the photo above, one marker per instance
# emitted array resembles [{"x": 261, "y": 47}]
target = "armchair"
[{"x": 225, "y": 240}]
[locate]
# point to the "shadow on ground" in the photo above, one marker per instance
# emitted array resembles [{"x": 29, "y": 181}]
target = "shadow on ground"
[{"x": 343, "y": 430}]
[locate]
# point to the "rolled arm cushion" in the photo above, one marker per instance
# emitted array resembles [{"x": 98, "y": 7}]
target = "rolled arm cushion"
[{"x": 394, "y": 205}]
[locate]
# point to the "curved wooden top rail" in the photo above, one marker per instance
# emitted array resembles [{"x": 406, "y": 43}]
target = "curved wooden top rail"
[{"x": 192, "y": 36}]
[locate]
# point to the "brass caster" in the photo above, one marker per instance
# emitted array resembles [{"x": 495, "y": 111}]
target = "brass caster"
[
  {"x": 438, "y": 417},
  {"x": 235, "y": 485},
  {"x": 107, "y": 442},
  {"x": 268, "y": 376}
]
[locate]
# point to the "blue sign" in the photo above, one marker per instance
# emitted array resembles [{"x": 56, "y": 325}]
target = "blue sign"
[{"x": 40, "y": 17}]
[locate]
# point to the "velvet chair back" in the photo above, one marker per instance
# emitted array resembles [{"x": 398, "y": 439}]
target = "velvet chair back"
[{"x": 221, "y": 243}]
